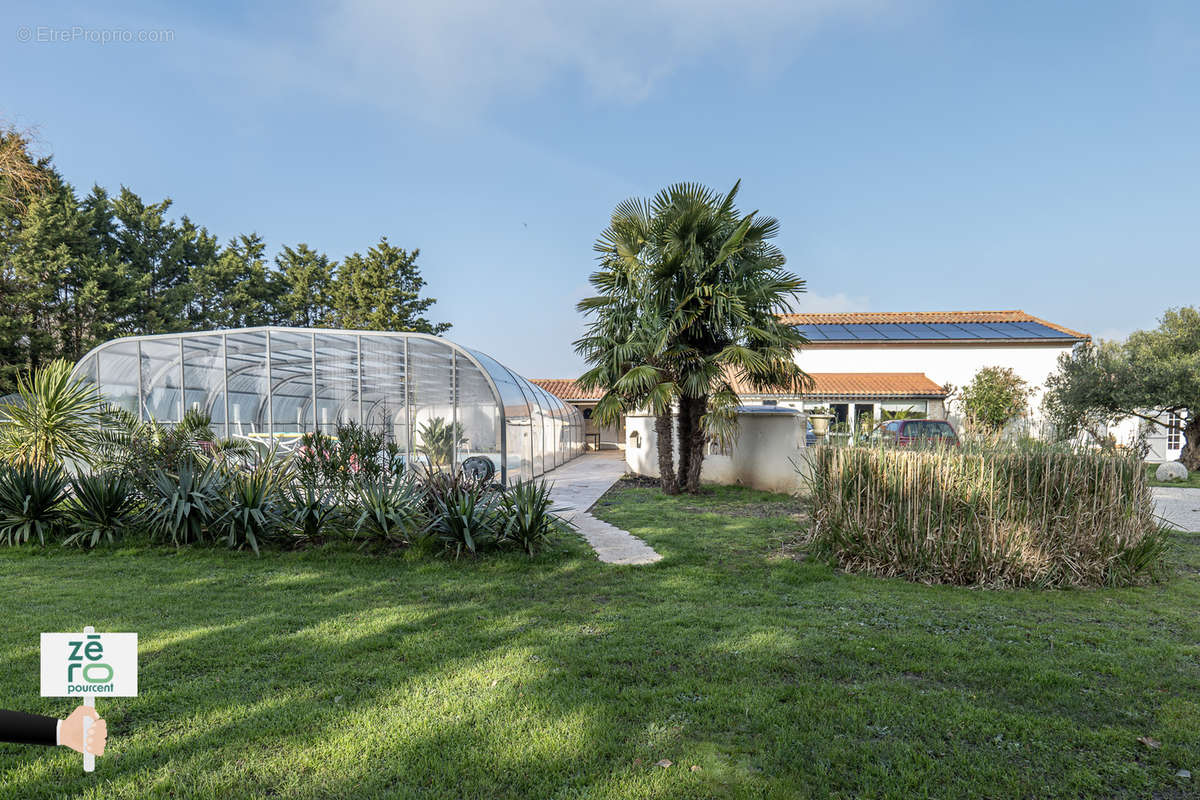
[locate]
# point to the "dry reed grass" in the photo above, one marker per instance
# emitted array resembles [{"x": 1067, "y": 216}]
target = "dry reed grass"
[{"x": 988, "y": 518}]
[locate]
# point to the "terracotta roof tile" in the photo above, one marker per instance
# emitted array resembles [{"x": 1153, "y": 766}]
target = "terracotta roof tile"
[
  {"x": 917, "y": 317},
  {"x": 826, "y": 384},
  {"x": 565, "y": 389},
  {"x": 863, "y": 384}
]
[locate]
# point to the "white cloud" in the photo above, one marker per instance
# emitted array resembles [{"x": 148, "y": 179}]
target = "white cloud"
[
  {"x": 467, "y": 53},
  {"x": 841, "y": 302}
]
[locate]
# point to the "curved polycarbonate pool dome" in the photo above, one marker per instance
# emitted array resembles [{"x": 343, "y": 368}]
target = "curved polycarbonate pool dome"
[{"x": 275, "y": 384}]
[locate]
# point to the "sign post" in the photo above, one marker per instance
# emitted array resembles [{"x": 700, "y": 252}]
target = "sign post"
[{"x": 88, "y": 664}]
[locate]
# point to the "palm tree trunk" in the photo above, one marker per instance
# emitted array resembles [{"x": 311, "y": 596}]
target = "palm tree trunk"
[
  {"x": 697, "y": 442},
  {"x": 666, "y": 453},
  {"x": 683, "y": 428}
]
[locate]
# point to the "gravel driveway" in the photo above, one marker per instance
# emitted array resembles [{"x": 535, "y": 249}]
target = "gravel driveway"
[{"x": 1179, "y": 507}]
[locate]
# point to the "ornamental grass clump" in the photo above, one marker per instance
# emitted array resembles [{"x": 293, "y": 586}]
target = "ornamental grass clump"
[{"x": 996, "y": 519}]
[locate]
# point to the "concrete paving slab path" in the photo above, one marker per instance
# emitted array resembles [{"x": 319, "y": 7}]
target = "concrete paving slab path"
[
  {"x": 576, "y": 486},
  {"x": 1179, "y": 506}
]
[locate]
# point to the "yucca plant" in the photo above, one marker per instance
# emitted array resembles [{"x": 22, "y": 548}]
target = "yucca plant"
[
  {"x": 53, "y": 420},
  {"x": 31, "y": 503},
  {"x": 530, "y": 519},
  {"x": 310, "y": 509},
  {"x": 466, "y": 515},
  {"x": 252, "y": 506},
  {"x": 103, "y": 506},
  {"x": 181, "y": 506},
  {"x": 392, "y": 511}
]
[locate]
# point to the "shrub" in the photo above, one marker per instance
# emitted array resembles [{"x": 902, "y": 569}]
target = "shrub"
[
  {"x": 465, "y": 515},
  {"x": 181, "y": 506},
  {"x": 338, "y": 464},
  {"x": 530, "y": 521},
  {"x": 998, "y": 518},
  {"x": 129, "y": 445},
  {"x": 53, "y": 420},
  {"x": 31, "y": 499},
  {"x": 438, "y": 441},
  {"x": 252, "y": 507},
  {"x": 995, "y": 397},
  {"x": 103, "y": 506},
  {"x": 392, "y": 511}
]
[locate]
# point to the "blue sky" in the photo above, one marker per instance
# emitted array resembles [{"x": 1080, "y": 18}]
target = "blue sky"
[{"x": 920, "y": 155}]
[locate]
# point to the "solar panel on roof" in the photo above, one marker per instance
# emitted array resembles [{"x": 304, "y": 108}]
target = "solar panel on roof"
[
  {"x": 1003, "y": 330},
  {"x": 978, "y": 330},
  {"x": 928, "y": 331},
  {"x": 950, "y": 331},
  {"x": 865, "y": 332},
  {"x": 921, "y": 330},
  {"x": 1038, "y": 330},
  {"x": 811, "y": 332},
  {"x": 892, "y": 331}
]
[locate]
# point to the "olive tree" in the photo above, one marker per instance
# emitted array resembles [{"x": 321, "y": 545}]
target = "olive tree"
[{"x": 1151, "y": 375}]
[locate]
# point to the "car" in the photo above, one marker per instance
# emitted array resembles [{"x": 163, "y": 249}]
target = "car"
[{"x": 915, "y": 433}]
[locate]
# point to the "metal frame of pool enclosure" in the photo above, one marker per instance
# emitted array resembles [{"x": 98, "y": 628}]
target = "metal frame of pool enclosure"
[{"x": 273, "y": 384}]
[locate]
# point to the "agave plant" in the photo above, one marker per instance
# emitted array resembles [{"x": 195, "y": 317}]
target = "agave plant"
[
  {"x": 253, "y": 506},
  {"x": 183, "y": 505},
  {"x": 53, "y": 420},
  {"x": 466, "y": 514},
  {"x": 102, "y": 507},
  {"x": 392, "y": 511},
  {"x": 31, "y": 500},
  {"x": 530, "y": 519}
]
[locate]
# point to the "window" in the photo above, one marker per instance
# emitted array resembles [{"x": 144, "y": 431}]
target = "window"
[{"x": 1174, "y": 432}]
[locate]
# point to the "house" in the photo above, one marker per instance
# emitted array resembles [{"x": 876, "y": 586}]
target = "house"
[
  {"x": 872, "y": 365},
  {"x": 848, "y": 395},
  {"x": 858, "y": 395},
  {"x": 948, "y": 347},
  {"x": 1164, "y": 441},
  {"x": 595, "y": 436}
]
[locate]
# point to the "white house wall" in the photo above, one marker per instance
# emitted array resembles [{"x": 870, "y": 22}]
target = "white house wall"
[{"x": 953, "y": 364}]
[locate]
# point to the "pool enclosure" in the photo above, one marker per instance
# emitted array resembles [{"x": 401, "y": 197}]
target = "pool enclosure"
[{"x": 275, "y": 384}]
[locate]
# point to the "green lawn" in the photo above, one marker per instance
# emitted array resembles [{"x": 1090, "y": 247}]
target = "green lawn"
[
  {"x": 338, "y": 674},
  {"x": 1193, "y": 481}
]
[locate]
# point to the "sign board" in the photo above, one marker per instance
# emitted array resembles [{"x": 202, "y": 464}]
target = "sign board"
[{"x": 89, "y": 664}]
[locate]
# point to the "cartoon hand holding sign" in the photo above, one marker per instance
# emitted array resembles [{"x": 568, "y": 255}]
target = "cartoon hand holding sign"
[{"x": 85, "y": 665}]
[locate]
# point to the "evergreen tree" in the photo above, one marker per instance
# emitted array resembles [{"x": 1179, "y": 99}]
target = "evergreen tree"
[
  {"x": 49, "y": 273},
  {"x": 22, "y": 179},
  {"x": 149, "y": 245},
  {"x": 75, "y": 272},
  {"x": 381, "y": 291},
  {"x": 234, "y": 290},
  {"x": 306, "y": 279}
]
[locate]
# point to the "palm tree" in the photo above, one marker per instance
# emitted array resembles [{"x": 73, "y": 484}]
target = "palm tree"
[
  {"x": 54, "y": 419},
  {"x": 689, "y": 291},
  {"x": 620, "y": 345}
]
